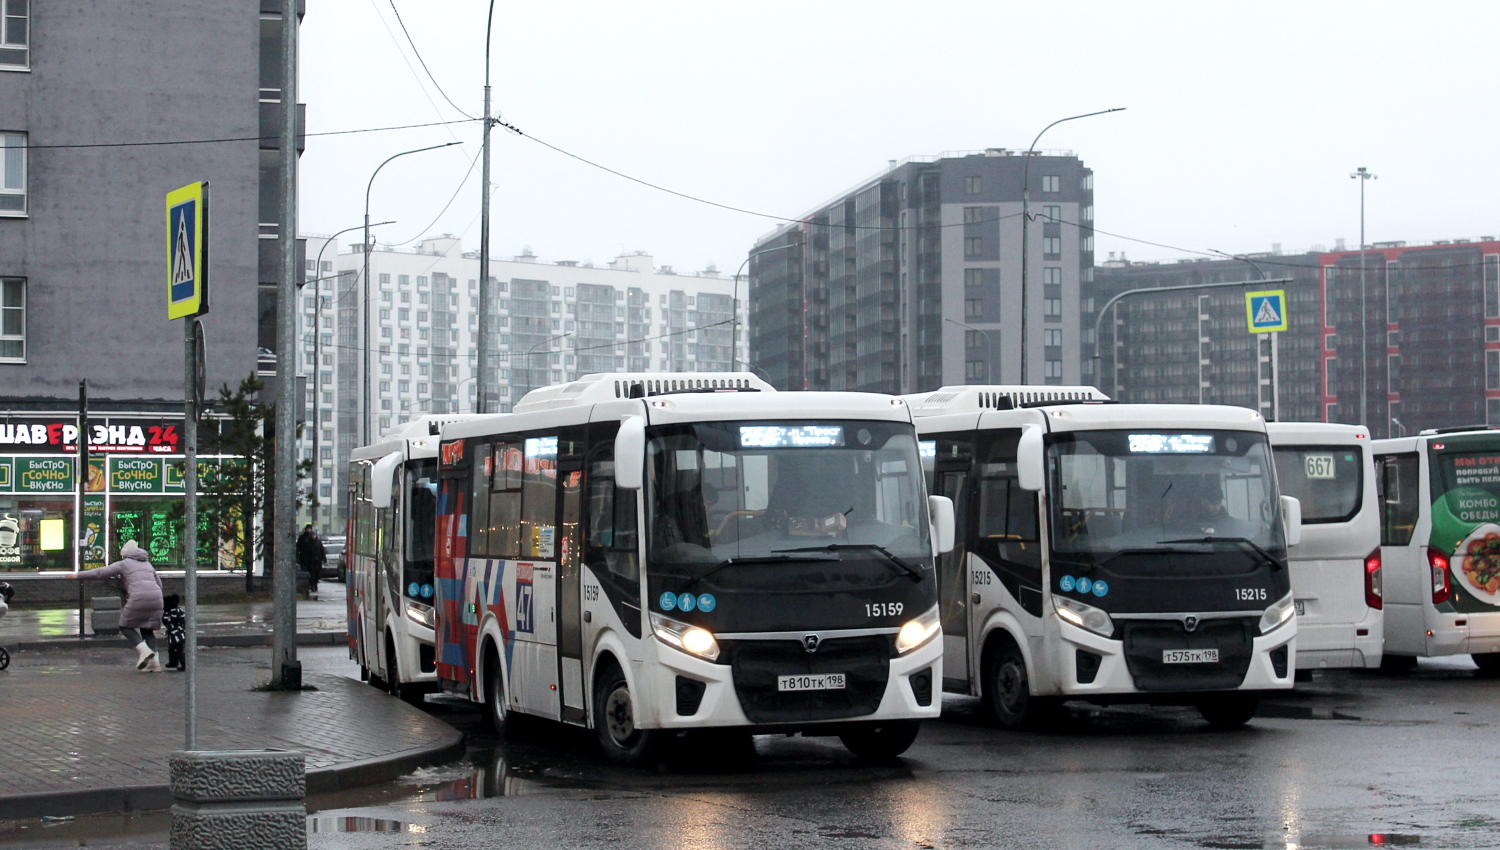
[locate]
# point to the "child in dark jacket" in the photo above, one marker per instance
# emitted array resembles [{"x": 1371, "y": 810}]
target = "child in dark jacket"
[{"x": 174, "y": 620}]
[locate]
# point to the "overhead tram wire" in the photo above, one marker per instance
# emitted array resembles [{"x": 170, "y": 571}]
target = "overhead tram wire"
[
  {"x": 423, "y": 63},
  {"x": 35, "y": 147}
]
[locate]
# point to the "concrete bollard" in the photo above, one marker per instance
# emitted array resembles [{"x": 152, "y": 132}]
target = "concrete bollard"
[
  {"x": 105, "y": 615},
  {"x": 238, "y": 800}
]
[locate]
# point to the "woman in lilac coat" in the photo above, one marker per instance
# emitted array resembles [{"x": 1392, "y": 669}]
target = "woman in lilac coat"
[{"x": 140, "y": 616}]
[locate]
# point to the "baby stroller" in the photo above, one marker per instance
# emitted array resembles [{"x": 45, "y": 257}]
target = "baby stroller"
[{"x": 6, "y": 592}]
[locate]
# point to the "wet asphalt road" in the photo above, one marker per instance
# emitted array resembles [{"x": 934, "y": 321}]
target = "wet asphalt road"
[{"x": 1409, "y": 761}]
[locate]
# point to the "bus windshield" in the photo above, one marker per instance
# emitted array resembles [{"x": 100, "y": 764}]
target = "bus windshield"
[
  {"x": 1131, "y": 490},
  {"x": 1327, "y": 480},
  {"x": 769, "y": 491}
]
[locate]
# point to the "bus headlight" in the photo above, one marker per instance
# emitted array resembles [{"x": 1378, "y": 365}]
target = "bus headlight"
[
  {"x": 1083, "y": 616},
  {"x": 916, "y": 632},
  {"x": 421, "y": 614},
  {"x": 686, "y": 637},
  {"x": 1277, "y": 615}
]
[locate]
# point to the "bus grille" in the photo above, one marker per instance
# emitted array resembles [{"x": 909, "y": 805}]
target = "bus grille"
[
  {"x": 1145, "y": 640},
  {"x": 865, "y": 662}
]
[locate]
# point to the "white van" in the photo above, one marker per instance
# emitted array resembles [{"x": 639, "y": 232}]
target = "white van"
[{"x": 1336, "y": 568}]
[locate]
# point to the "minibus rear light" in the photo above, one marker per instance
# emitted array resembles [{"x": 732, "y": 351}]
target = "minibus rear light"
[
  {"x": 1374, "y": 582},
  {"x": 1442, "y": 591}
]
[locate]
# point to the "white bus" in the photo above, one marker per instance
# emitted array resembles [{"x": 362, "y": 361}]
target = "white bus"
[
  {"x": 642, "y": 554},
  {"x": 1109, "y": 552},
  {"x": 392, "y": 515},
  {"x": 1440, "y": 544},
  {"x": 1336, "y": 573}
]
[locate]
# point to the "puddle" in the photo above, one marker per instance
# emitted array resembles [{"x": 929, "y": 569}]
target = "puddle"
[
  {"x": 1318, "y": 842},
  {"x": 360, "y": 824}
]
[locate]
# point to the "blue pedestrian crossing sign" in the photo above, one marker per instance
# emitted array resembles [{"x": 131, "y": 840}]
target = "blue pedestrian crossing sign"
[
  {"x": 187, "y": 251},
  {"x": 1266, "y": 311}
]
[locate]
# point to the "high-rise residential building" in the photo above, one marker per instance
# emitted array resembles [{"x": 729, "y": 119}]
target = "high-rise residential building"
[
  {"x": 912, "y": 279},
  {"x": 104, "y": 109},
  {"x": 550, "y": 322},
  {"x": 1418, "y": 332}
]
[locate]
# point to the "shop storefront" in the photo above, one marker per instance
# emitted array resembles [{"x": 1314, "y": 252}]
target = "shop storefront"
[{"x": 133, "y": 492}]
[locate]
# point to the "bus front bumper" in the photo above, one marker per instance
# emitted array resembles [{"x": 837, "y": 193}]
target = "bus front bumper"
[{"x": 1091, "y": 666}]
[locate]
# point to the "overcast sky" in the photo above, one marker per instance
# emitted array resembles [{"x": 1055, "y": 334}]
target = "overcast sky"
[{"x": 1243, "y": 122}]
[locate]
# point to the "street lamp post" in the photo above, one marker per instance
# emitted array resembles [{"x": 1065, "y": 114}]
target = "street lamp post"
[
  {"x": 532, "y": 350},
  {"x": 482, "y": 343},
  {"x": 364, "y": 307},
  {"x": 1363, "y": 175},
  {"x": 1026, "y": 218},
  {"x": 734, "y": 344},
  {"x": 989, "y": 348},
  {"x": 317, "y": 352}
]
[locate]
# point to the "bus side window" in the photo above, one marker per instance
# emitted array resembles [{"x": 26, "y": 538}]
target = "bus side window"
[
  {"x": 479, "y": 501},
  {"x": 505, "y": 501},
  {"x": 612, "y": 524},
  {"x": 1008, "y": 536},
  {"x": 1399, "y": 496}
]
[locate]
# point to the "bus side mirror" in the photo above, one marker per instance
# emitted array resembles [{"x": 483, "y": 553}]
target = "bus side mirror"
[
  {"x": 630, "y": 453},
  {"x": 1291, "y": 517},
  {"x": 381, "y": 480},
  {"x": 1030, "y": 471},
  {"x": 940, "y": 514}
]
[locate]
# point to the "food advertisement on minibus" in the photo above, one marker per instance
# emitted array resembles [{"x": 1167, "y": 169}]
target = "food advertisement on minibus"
[{"x": 1466, "y": 522}]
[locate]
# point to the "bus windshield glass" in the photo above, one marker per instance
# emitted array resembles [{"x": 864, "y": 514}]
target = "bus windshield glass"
[
  {"x": 421, "y": 518},
  {"x": 1152, "y": 491},
  {"x": 1327, "y": 480},
  {"x": 759, "y": 493}
]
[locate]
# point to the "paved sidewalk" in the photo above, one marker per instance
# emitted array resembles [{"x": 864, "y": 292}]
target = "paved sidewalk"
[{"x": 85, "y": 732}]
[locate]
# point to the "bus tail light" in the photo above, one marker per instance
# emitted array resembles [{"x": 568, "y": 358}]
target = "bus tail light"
[
  {"x": 1374, "y": 581},
  {"x": 1442, "y": 591}
]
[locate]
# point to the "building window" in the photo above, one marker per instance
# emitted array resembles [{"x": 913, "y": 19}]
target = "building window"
[
  {"x": 403, "y": 314},
  {"x": 1087, "y": 305},
  {"x": 13, "y": 173},
  {"x": 1052, "y": 308},
  {"x": 974, "y": 370},
  {"x": 421, "y": 316},
  {"x": 1052, "y": 275},
  {"x": 385, "y": 386},
  {"x": 973, "y": 185},
  {"x": 12, "y": 319},
  {"x": 973, "y": 339},
  {"x": 385, "y": 315},
  {"x": 13, "y": 34},
  {"x": 973, "y": 277},
  {"x": 1052, "y": 212},
  {"x": 973, "y": 246},
  {"x": 1088, "y": 336},
  {"x": 973, "y": 215},
  {"x": 385, "y": 280},
  {"x": 973, "y": 308},
  {"x": 1051, "y": 183},
  {"x": 1054, "y": 369},
  {"x": 1052, "y": 337},
  {"x": 1052, "y": 245}
]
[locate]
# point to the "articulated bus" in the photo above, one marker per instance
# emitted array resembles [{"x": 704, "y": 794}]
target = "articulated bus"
[
  {"x": 392, "y": 515},
  {"x": 1109, "y": 552},
  {"x": 1440, "y": 545},
  {"x": 643, "y": 554},
  {"x": 1336, "y": 568}
]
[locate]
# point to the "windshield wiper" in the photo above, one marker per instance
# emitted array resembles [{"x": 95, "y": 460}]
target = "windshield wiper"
[
  {"x": 911, "y": 571},
  {"x": 1243, "y": 541},
  {"x": 752, "y": 559}
]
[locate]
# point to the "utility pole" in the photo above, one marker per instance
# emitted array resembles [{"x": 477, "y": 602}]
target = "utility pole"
[
  {"x": 1363, "y": 175},
  {"x": 286, "y": 670},
  {"x": 481, "y": 393}
]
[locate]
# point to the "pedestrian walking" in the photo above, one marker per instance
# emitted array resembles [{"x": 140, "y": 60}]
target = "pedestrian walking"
[
  {"x": 174, "y": 620},
  {"x": 311, "y": 556},
  {"x": 140, "y": 616}
]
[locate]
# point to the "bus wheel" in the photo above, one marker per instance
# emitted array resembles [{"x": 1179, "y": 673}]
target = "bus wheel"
[
  {"x": 1228, "y": 712},
  {"x": 1008, "y": 691},
  {"x": 496, "y": 709},
  {"x": 404, "y": 691},
  {"x": 614, "y": 723},
  {"x": 881, "y": 741},
  {"x": 1489, "y": 663}
]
